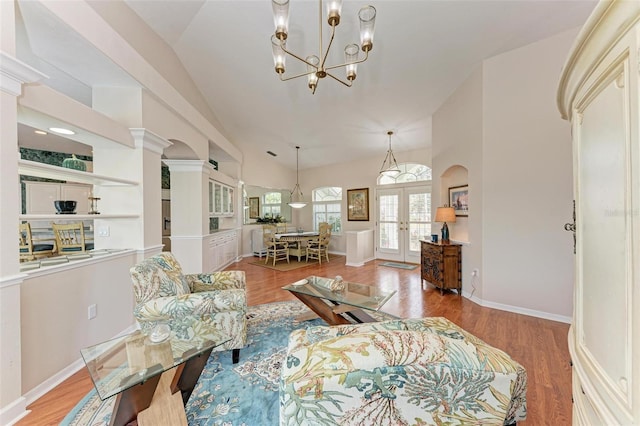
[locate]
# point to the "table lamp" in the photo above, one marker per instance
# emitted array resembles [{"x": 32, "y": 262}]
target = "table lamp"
[{"x": 445, "y": 214}]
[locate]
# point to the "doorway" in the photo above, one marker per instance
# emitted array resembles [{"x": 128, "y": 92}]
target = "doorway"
[{"x": 403, "y": 219}]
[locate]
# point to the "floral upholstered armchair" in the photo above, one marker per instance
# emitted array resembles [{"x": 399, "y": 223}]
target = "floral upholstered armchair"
[
  {"x": 400, "y": 372},
  {"x": 191, "y": 304}
]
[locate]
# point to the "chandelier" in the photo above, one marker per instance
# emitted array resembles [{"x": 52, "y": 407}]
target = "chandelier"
[
  {"x": 317, "y": 67},
  {"x": 297, "y": 199},
  {"x": 389, "y": 165}
]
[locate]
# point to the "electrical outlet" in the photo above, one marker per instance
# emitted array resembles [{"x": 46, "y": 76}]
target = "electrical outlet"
[
  {"x": 103, "y": 231},
  {"x": 92, "y": 311},
  {"x": 475, "y": 272}
]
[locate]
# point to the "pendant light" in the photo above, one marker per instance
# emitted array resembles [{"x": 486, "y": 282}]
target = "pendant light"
[
  {"x": 389, "y": 165},
  {"x": 297, "y": 199}
]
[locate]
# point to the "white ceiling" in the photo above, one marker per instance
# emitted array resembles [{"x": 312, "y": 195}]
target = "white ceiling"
[{"x": 422, "y": 51}]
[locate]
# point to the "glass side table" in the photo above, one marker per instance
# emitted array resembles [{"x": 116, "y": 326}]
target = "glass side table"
[{"x": 134, "y": 368}]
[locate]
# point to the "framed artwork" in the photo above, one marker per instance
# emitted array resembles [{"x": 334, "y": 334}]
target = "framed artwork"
[
  {"x": 358, "y": 204},
  {"x": 254, "y": 207},
  {"x": 459, "y": 199}
]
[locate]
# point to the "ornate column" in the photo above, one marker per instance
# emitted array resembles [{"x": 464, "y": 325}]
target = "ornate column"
[
  {"x": 189, "y": 212},
  {"x": 13, "y": 74}
]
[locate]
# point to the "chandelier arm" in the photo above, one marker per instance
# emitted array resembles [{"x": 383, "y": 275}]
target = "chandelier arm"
[
  {"x": 284, "y": 49},
  {"x": 339, "y": 81},
  {"x": 295, "y": 76},
  {"x": 366, "y": 56},
  {"x": 326, "y": 53}
]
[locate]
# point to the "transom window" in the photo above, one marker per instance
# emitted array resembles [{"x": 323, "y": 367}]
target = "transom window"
[
  {"x": 272, "y": 203},
  {"x": 327, "y": 204},
  {"x": 409, "y": 172}
]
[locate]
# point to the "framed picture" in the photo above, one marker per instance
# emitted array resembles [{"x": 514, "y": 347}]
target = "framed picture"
[
  {"x": 459, "y": 199},
  {"x": 254, "y": 207},
  {"x": 358, "y": 204}
]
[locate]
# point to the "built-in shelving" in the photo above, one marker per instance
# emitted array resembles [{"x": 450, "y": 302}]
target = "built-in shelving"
[{"x": 42, "y": 170}]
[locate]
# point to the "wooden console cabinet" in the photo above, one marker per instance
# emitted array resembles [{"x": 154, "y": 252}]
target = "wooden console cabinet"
[{"x": 441, "y": 265}]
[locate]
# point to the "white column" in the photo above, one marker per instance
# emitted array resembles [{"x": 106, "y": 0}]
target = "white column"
[
  {"x": 189, "y": 212},
  {"x": 13, "y": 74}
]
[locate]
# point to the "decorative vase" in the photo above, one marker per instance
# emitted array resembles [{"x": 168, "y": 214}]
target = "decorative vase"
[{"x": 74, "y": 163}]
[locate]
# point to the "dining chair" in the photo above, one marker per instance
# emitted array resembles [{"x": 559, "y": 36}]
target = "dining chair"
[
  {"x": 31, "y": 248},
  {"x": 70, "y": 238},
  {"x": 277, "y": 250},
  {"x": 319, "y": 246}
]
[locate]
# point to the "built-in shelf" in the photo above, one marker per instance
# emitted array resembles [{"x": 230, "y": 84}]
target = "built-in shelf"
[
  {"x": 76, "y": 216},
  {"x": 42, "y": 170}
]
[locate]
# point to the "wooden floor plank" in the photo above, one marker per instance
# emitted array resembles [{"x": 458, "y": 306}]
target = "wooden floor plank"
[{"x": 539, "y": 345}]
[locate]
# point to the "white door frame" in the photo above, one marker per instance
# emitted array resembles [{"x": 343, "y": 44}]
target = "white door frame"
[{"x": 402, "y": 225}]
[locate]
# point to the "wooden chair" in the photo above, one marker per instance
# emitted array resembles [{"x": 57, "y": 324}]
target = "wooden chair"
[
  {"x": 70, "y": 238},
  {"x": 275, "y": 249},
  {"x": 319, "y": 247},
  {"x": 30, "y": 248}
]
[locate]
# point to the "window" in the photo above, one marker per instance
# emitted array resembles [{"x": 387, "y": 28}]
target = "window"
[
  {"x": 409, "y": 172},
  {"x": 272, "y": 204},
  {"x": 327, "y": 203}
]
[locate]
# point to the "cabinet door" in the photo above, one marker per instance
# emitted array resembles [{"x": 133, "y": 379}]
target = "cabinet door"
[
  {"x": 231, "y": 201},
  {"x": 217, "y": 198},
  {"x": 211, "y": 210},
  {"x": 225, "y": 200},
  {"x": 39, "y": 197},
  {"x": 78, "y": 193}
]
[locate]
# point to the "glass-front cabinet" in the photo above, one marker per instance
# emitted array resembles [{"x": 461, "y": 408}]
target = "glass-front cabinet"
[{"x": 220, "y": 199}]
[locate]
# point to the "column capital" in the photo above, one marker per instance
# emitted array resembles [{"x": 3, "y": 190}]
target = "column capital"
[
  {"x": 14, "y": 73},
  {"x": 148, "y": 140},
  {"x": 188, "y": 166}
]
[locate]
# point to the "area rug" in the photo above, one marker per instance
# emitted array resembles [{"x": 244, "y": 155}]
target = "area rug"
[
  {"x": 242, "y": 394},
  {"x": 399, "y": 265},
  {"x": 293, "y": 263}
]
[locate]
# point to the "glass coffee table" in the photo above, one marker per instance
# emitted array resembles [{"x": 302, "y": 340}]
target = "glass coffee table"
[
  {"x": 135, "y": 369},
  {"x": 345, "y": 306}
]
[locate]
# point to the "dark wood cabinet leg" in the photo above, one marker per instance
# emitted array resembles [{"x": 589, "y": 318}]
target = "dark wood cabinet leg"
[{"x": 236, "y": 355}]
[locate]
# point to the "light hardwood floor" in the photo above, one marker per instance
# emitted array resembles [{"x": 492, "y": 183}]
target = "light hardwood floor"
[{"x": 539, "y": 345}]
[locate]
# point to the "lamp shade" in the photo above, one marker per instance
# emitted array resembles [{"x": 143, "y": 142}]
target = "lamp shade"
[{"x": 445, "y": 214}]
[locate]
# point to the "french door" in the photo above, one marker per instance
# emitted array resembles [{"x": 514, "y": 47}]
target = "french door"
[{"x": 403, "y": 219}]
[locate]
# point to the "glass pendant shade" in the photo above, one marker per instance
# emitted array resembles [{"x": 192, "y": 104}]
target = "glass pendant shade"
[
  {"x": 351, "y": 55},
  {"x": 281, "y": 18},
  {"x": 334, "y": 9},
  {"x": 279, "y": 56},
  {"x": 312, "y": 66},
  {"x": 367, "y": 16}
]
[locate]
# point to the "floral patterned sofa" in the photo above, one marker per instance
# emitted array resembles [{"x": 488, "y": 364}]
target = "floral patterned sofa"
[
  {"x": 191, "y": 304},
  {"x": 401, "y": 372}
]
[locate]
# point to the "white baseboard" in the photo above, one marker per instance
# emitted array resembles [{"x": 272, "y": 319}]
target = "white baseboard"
[
  {"x": 518, "y": 309},
  {"x": 11, "y": 413},
  {"x": 62, "y": 375}
]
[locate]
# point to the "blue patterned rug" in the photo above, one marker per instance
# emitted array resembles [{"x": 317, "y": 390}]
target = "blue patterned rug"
[{"x": 226, "y": 394}]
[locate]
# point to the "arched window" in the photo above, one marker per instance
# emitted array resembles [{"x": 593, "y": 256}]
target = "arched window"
[
  {"x": 327, "y": 204},
  {"x": 409, "y": 172}
]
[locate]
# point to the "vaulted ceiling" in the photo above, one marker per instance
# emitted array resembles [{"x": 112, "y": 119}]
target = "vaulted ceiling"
[{"x": 422, "y": 51}]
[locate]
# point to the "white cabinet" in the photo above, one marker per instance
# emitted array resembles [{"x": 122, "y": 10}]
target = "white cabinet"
[
  {"x": 41, "y": 195},
  {"x": 598, "y": 93},
  {"x": 221, "y": 199},
  {"x": 223, "y": 249}
]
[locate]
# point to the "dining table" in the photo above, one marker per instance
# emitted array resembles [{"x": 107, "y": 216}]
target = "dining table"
[{"x": 301, "y": 238}]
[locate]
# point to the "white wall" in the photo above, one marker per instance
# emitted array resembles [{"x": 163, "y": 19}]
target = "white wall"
[
  {"x": 503, "y": 126},
  {"x": 457, "y": 141},
  {"x": 527, "y": 180}
]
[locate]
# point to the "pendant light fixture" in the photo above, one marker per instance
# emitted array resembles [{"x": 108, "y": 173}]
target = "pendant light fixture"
[
  {"x": 297, "y": 199},
  {"x": 389, "y": 165},
  {"x": 317, "y": 67}
]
